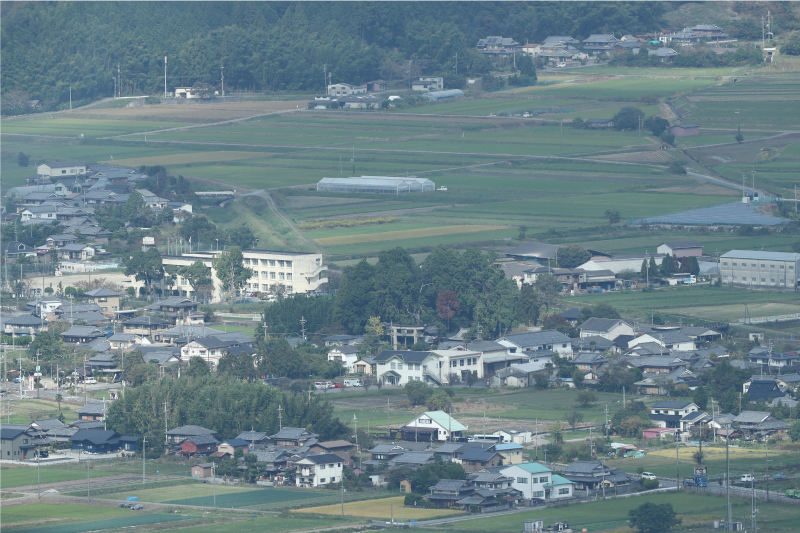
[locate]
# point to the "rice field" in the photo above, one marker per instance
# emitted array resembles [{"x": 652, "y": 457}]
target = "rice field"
[{"x": 394, "y": 235}]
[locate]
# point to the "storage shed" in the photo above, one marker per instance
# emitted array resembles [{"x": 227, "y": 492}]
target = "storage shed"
[
  {"x": 443, "y": 95},
  {"x": 685, "y": 130}
]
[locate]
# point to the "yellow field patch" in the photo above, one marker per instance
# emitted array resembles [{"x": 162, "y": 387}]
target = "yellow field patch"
[
  {"x": 385, "y": 508},
  {"x": 715, "y": 452},
  {"x": 187, "y": 158},
  {"x": 405, "y": 234}
]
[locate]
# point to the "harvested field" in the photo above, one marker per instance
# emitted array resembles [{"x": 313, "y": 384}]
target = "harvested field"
[
  {"x": 405, "y": 234},
  {"x": 712, "y": 190},
  {"x": 653, "y": 156},
  {"x": 188, "y": 158},
  {"x": 190, "y": 112}
]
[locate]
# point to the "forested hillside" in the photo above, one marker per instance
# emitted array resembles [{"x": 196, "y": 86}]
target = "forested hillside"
[{"x": 273, "y": 46}]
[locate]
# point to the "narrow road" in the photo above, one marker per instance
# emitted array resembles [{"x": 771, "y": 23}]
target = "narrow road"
[{"x": 220, "y": 123}]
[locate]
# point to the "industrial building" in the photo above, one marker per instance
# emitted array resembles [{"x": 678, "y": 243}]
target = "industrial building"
[
  {"x": 777, "y": 270},
  {"x": 377, "y": 184},
  {"x": 443, "y": 95}
]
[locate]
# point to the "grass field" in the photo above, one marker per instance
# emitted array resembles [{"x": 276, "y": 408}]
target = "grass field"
[
  {"x": 270, "y": 524},
  {"x": 404, "y": 234},
  {"x": 381, "y": 509},
  {"x": 17, "y": 476}
]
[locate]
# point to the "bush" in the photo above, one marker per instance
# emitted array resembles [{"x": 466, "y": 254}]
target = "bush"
[
  {"x": 677, "y": 167},
  {"x": 650, "y": 484},
  {"x": 152, "y": 100},
  {"x": 416, "y": 500}
]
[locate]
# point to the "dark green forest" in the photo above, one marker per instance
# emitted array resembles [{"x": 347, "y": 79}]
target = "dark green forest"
[{"x": 273, "y": 46}]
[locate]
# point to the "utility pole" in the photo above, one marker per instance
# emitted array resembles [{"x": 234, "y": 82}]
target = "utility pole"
[
  {"x": 119, "y": 80},
  {"x": 677, "y": 459},
  {"x": 280, "y": 417},
  {"x": 456, "y": 63},
  {"x": 562, "y": 138},
  {"x": 388, "y": 423},
  {"x": 728, "y": 478},
  {"x": 222, "y": 81},
  {"x": 303, "y": 327},
  {"x": 325, "y": 78},
  {"x": 166, "y": 427},
  {"x": 144, "y": 447},
  {"x": 165, "y": 76},
  {"x": 214, "y": 481},
  {"x": 70, "y": 98},
  {"x": 354, "y": 160},
  {"x": 753, "y": 172},
  {"x": 606, "y": 412}
]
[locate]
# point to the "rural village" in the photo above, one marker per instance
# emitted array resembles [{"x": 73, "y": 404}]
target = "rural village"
[{"x": 548, "y": 284}]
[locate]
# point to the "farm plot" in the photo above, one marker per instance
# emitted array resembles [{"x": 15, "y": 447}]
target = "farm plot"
[
  {"x": 381, "y": 509},
  {"x": 394, "y": 235},
  {"x": 72, "y": 127}
]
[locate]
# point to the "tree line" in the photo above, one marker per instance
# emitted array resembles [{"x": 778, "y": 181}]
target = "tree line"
[{"x": 271, "y": 46}]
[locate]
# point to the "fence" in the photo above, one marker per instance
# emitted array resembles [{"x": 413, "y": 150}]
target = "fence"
[{"x": 255, "y": 317}]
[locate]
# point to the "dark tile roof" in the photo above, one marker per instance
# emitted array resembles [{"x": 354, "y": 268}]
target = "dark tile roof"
[
  {"x": 538, "y": 338},
  {"x": 665, "y": 404},
  {"x": 191, "y": 430},
  {"x": 324, "y": 458},
  {"x": 477, "y": 454}
]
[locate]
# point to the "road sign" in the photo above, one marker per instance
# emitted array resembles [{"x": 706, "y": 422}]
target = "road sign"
[
  {"x": 30, "y": 383},
  {"x": 701, "y": 471},
  {"x": 38, "y": 368}
]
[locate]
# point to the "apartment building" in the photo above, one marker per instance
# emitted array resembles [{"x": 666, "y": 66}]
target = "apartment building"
[
  {"x": 296, "y": 272},
  {"x": 777, "y": 270}
]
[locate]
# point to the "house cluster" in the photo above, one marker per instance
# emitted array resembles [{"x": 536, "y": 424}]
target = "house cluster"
[
  {"x": 677, "y": 419},
  {"x": 67, "y": 194},
  {"x": 563, "y": 50},
  {"x": 346, "y": 96},
  {"x": 604, "y": 271},
  {"x": 87, "y": 435}
]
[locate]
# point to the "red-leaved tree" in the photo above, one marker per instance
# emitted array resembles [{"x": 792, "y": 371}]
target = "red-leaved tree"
[{"x": 447, "y": 306}]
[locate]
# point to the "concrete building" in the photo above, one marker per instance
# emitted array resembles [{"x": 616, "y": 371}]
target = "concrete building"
[
  {"x": 537, "y": 482},
  {"x": 685, "y": 130},
  {"x": 296, "y": 272},
  {"x": 399, "y": 367},
  {"x": 428, "y": 83},
  {"x": 458, "y": 363},
  {"x": 776, "y": 270}
]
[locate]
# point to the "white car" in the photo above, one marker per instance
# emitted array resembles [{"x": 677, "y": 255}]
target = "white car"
[
  {"x": 561, "y": 65},
  {"x": 648, "y": 475},
  {"x": 91, "y": 381}
]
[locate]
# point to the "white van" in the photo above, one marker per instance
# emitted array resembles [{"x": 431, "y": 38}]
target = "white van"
[
  {"x": 747, "y": 477},
  {"x": 320, "y": 385},
  {"x": 353, "y": 382}
]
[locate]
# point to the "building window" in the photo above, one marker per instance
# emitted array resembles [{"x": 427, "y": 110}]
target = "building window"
[
  {"x": 322, "y": 467},
  {"x": 288, "y": 264},
  {"x": 538, "y": 494},
  {"x": 264, "y": 274},
  {"x": 272, "y": 275},
  {"x": 735, "y": 264},
  {"x": 521, "y": 480},
  {"x": 725, "y": 263},
  {"x": 289, "y": 276},
  {"x": 281, "y": 276},
  {"x": 280, "y": 264},
  {"x": 753, "y": 265},
  {"x": 399, "y": 366},
  {"x": 272, "y": 262},
  {"x": 763, "y": 279},
  {"x": 772, "y": 266},
  {"x": 762, "y": 265},
  {"x": 781, "y": 266},
  {"x": 564, "y": 490}
]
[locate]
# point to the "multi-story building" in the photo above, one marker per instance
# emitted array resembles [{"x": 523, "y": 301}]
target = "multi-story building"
[
  {"x": 318, "y": 470},
  {"x": 777, "y": 270},
  {"x": 399, "y": 367},
  {"x": 295, "y": 272},
  {"x": 345, "y": 89}
]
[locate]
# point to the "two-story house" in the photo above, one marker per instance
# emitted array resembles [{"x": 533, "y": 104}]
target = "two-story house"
[
  {"x": 670, "y": 414},
  {"x": 318, "y": 470},
  {"x": 346, "y": 355},
  {"x": 147, "y": 326},
  {"x": 458, "y": 364},
  {"x": 107, "y": 300},
  {"x": 179, "y": 434},
  {"x": 294, "y": 437},
  {"x": 395, "y": 367},
  {"x": 537, "y": 482}
]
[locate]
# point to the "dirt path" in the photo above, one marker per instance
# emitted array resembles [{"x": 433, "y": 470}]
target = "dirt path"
[{"x": 266, "y": 196}]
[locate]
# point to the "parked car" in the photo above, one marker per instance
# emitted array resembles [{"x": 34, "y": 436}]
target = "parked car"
[
  {"x": 648, "y": 475},
  {"x": 126, "y": 505},
  {"x": 137, "y": 507},
  {"x": 561, "y": 65},
  {"x": 321, "y": 385},
  {"x": 90, "y": 381},
  {"x": 779, "y": 475},
  {"x": 747, "y": 477}
]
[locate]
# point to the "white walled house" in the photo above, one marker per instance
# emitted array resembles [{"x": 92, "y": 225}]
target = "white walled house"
[
  {"x": 398, "y": 367},
  {"x": 670, "y": 340},
  {"x": 433, "y": 426},
  {"x": 459, "y": 362},
  {"x": 536, "y": 481},
  {"x": 346, "y": 355},
  {"x": 670, "y": 414},
  {"x": 518, "y": 435},
  {"x": 345, "y": 89},
  {"x": 318, "y": 470},
  {"x": 67, "y": 168},
  {"x": 608, "y": 328}
]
